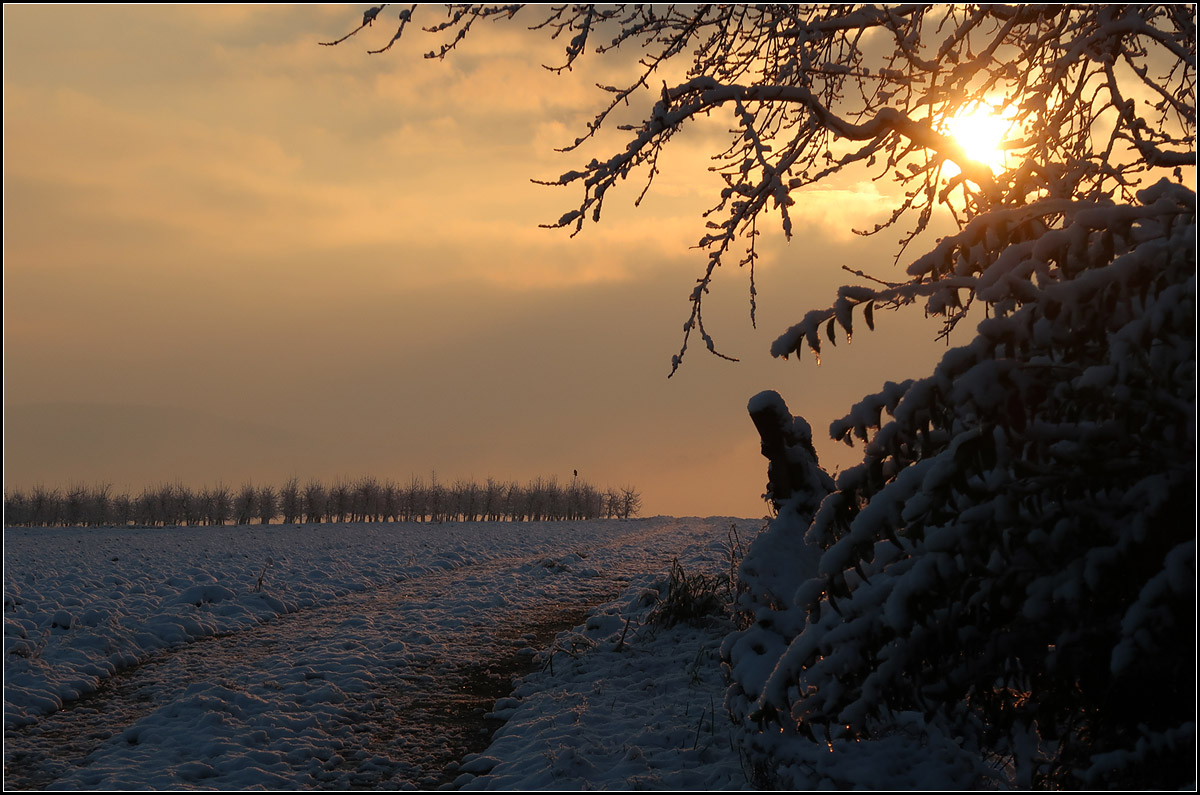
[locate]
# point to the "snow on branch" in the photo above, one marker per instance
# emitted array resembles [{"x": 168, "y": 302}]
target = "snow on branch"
[{"x": 800, "y": 80}]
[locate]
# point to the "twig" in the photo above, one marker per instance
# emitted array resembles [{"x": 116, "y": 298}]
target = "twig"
[
  {"x": 259, "y": 585},
  {"x": 699, "y": 726},
  {"x": 621, "y": 643},
  {"x": 868, "y": 276}
]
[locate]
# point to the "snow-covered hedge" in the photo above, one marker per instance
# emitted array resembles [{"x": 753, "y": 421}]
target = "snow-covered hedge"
[{"x": 1014, "y": 559}]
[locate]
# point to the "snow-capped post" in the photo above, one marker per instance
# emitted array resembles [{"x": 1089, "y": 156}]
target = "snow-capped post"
[
  {"x": 1012, "y": 565},
  {"x": 767, "y": 616},
  {"x": 793, "y": 470}
]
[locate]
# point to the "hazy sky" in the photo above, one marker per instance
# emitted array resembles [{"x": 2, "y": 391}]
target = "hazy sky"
[{"x": 231, "y": 253}]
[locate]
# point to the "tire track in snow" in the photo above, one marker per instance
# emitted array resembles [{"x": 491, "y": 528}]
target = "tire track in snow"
[{"x": 380, "y": 689}]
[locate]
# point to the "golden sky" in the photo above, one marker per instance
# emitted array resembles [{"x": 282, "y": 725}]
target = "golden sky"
[{"x": 230, "y": 253}]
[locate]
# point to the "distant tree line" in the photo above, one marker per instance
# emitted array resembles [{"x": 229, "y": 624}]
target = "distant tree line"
[{"x": 364, "y": 500}]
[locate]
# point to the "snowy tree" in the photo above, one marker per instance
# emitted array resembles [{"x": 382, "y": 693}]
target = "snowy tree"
[
  {"x": 436, "y": 499},
  {"x": 16, "y": 509},
  {"x": 290, "y": 501},
  {"x": 206, "y": 503},
  {"x": 612, "y": 503},
  {"x": 144, "y": 508},
  {"x": 631, "y": 502},
  {"x": 185, "y": 506},
  {"x": 267, "y": 504},
  {"x": 316, "y": 501},
  {"x": 245, "y": 504},
  {"x": 98, "y": 509},
  {"x": 104, "y": 512},
  {"x": 391, "y": 501},
  {"x": 1014, "y": 559},
  {"x": 365, "y": 500},
  {"x": 493, "y": 500},
  {"x": 465, "y": 499},
  {"x": 340, "y": 502},
  {"x": 222, "y": 505},
  {"x": 518, "y": 503},
  {"x": 122, "y": 510},
  {"x": 75, "y": 505},
  {"x": 45, "y": 506}
]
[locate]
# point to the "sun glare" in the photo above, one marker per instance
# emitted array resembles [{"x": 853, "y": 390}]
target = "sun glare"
[{"x": 980, "y": 129}]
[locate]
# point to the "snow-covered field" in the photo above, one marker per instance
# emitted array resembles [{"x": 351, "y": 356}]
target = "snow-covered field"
[{"x": 361, "y": 655}]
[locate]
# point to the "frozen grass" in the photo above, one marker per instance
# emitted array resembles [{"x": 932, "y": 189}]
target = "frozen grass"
[{"x": 691, "y": 597}]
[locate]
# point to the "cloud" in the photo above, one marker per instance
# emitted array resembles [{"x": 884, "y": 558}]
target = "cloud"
[
  {"x": 207, "y": 175},
  {"x": 839, "y": 211},
  {"x": 207, "y": 211}
]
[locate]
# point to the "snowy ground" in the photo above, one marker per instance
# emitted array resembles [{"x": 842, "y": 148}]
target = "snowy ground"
[
  {"x": 646, "y": 714},
  {"x": 362, "y": 656}
]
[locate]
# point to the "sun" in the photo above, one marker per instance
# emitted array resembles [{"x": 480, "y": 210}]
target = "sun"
[{"x": 981, "y": 130}]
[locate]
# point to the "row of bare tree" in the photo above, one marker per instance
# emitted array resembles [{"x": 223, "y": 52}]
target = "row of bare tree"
[{"x": 364, "y": 500}]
